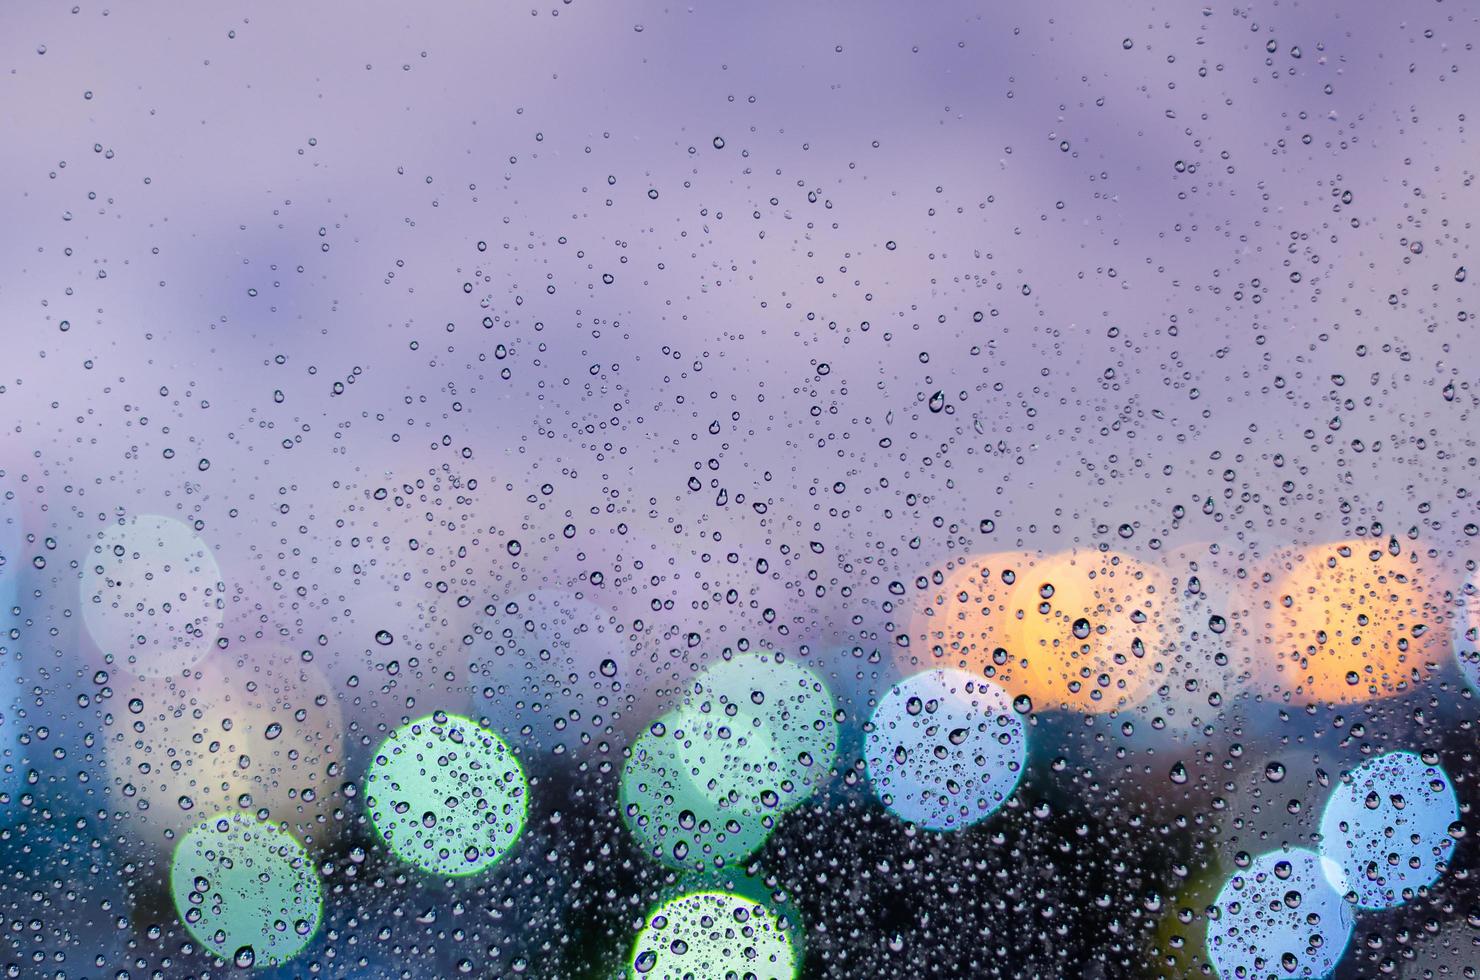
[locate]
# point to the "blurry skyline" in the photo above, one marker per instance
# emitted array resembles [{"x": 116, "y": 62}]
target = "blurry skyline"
[{"x": 727, "y": 327}]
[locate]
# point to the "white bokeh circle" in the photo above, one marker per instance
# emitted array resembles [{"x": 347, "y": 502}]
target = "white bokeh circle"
[
  {"x": 152, "y": 596},
  {"x": 945, "y": 749}
]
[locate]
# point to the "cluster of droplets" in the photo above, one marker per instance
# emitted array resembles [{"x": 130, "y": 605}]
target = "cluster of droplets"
[
  {"x": 752, "y": 737},
  {"x": 945, "y": 749},
  {"x": 445, "y": 794},
  {"x": 1386, "y": 835}
]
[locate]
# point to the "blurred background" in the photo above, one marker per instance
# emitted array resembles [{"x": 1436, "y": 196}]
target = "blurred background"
[{"x": 368, "y": 362}]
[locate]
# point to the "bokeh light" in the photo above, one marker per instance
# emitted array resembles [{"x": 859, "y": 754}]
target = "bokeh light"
[
  {"x": 1079, "y": 630},
  {"x": 447, "y": 795},
  {"x": 1278, "y": 918},
  {"x": 713, "y": 934},
  {"x": 1353, "y": 621},
  {"x": 687, "y": 815},
  {"x": 961, "y": 615},
  {"x": 152, "y": 596},
  {"x": 945, "y": 749},
  {"x": 1196, "y": 688},
  {"x": 705, "y": 784},
  {"x": 1386, "y": 831},
  {"x": 246, "y": 890},
  {"x": 783, "y": 703},
  {"x": 261, "y": 731}
]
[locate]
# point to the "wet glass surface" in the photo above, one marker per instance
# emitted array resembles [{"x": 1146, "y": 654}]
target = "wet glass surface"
[{"x": 756, "y": 491}]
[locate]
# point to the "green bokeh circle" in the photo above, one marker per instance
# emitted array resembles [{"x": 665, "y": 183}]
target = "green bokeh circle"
[
  {"x": 240, "y": 886},
  {"x": 447, "y": 795},
  {"x": 705, "y": 786},
  {"x": 782, "y": 705},
  {"x": 712, "y": 934},
  {"x": 688, "y": 812}
]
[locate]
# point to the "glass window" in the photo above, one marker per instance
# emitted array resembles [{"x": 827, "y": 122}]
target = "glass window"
[{"x": 739, "y": 490}]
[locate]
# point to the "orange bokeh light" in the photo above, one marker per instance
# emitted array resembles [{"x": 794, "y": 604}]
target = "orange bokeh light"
[
  {"x": 1352, "y": 621},
  {"x": 1079, "y": 630}
]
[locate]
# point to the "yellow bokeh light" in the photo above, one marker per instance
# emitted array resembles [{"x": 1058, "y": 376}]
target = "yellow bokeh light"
[
  {"x": 961, "y": 617},
  {"x": 1352, "y": 621},
  {"x": 1079, "y": 630},
  {"x": 258, "y": 732}
]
